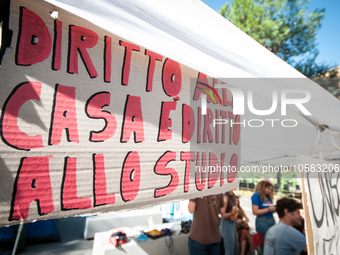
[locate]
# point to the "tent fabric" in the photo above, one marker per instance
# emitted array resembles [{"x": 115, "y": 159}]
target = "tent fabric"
[
  {"x": 194, "y": 35},
  {"x": 279, "y": 145}
]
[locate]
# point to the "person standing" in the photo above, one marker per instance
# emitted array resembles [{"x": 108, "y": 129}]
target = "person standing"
[
  {"x": 205, "y": 235},
  {"x": 242, "y": 228},
  {"x": 263, "y": 207},
  {"x": 228, "y": 224},
  {"x": 283, "y": 238}
]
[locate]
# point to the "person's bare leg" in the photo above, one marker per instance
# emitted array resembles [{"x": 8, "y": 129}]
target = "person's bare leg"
[{"x": 243, "y": 247}]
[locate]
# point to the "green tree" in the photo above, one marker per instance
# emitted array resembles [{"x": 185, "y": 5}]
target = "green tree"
[{"x": 282, "y": 26}]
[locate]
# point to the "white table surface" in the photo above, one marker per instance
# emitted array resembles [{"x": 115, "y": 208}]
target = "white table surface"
[{"x": 102, "y": 246}]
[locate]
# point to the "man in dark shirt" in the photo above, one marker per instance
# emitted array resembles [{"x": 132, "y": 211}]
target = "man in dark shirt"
[{"x": 205, "y": 235}]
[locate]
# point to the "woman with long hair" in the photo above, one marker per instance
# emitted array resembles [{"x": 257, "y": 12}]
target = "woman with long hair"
[
  {"x": 242, "y": 229},
  {"x": 263, "y": 207},
  {"x": 228, "y": 224}
]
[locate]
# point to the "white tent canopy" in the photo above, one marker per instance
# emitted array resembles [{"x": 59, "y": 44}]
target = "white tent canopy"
[{"x": 194, "y": 35}]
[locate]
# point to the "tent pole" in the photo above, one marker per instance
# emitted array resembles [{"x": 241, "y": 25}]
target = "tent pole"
[{"x": 17, "y": 238}]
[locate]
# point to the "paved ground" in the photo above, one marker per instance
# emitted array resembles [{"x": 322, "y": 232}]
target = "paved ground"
[{"x": 72, "y": 242}]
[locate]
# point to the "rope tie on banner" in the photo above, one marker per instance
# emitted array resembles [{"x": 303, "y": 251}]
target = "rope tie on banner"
[
  {"x": 21, "y": 226},
  {"x": 319, "y": 129},
  {"x": 333, "y": 141}
]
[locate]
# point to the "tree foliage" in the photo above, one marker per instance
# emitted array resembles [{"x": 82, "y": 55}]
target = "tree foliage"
[
  {"x": 330, "y": 81},
  {"x": 282, "y": 26}
]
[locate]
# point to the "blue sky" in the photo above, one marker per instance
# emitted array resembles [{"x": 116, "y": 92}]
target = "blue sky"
[{"x": 328, "y": 37}]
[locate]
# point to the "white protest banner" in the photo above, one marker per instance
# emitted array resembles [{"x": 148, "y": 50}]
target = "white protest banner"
[
  {"x": 93, "y": 123},
  {"x": 321, "y": 201}
]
